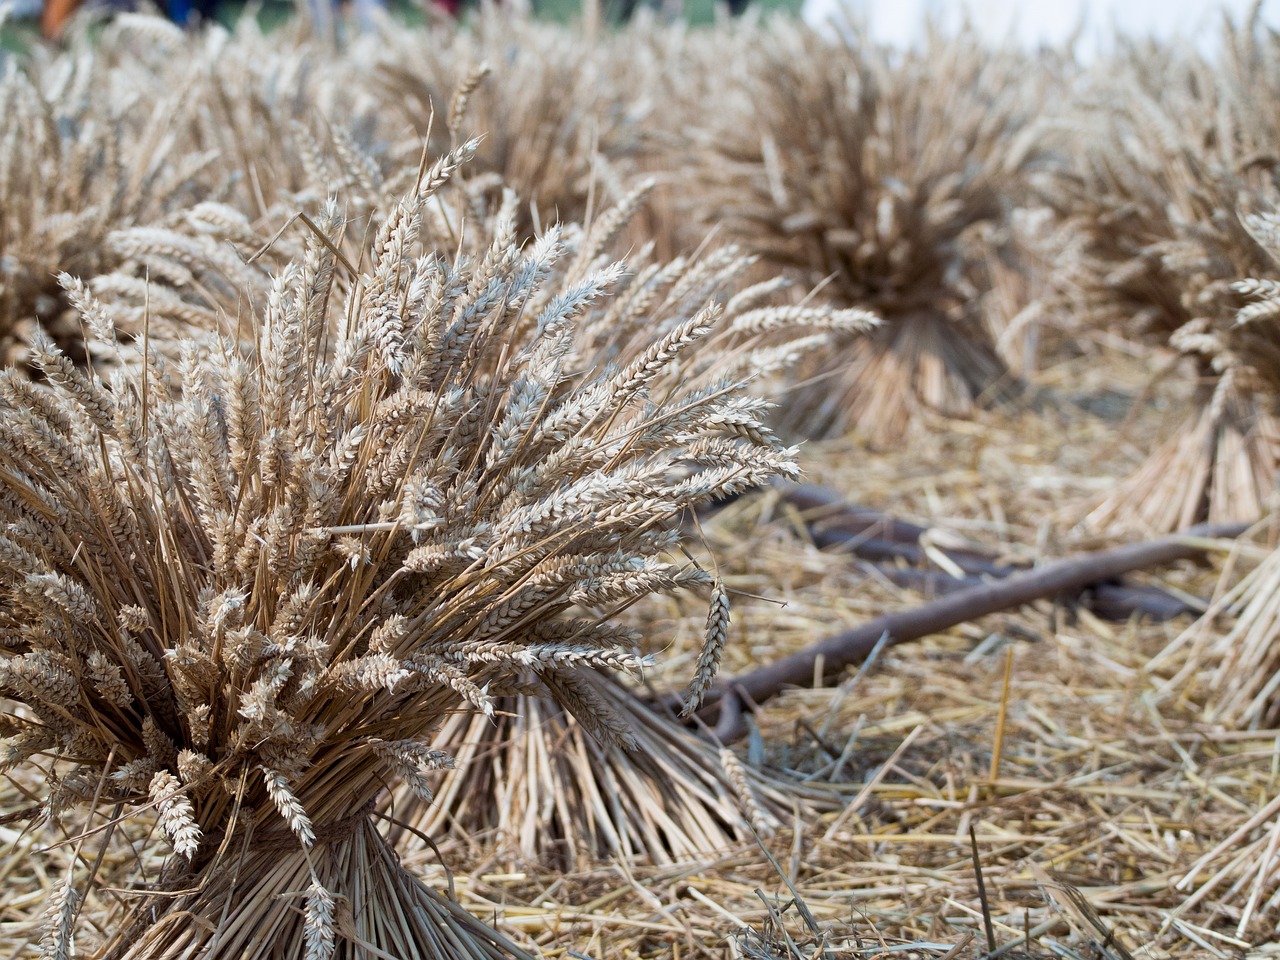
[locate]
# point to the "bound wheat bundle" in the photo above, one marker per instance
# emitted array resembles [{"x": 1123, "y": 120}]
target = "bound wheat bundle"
[
  {"x": 109, "y": 146},
  {"x": 1127, "y": 184},
  {"x": 704, "y": 801},
  {"x": 288, "y": 132},
  {"x": 202, "y": 267},
  {"x": 843, "y": 161},
  {"x": 1175, "y": 152},
  {"x": 1238, "y": 662},
  {"x": 245, "y": 588},
  {"x": 86, "y": 149},
  {"x": 544, "y": 787},
  {"x": 560, "y": 116},
  {"x": 191, "y": 269},
  {"x": 1163, "y": 141}
]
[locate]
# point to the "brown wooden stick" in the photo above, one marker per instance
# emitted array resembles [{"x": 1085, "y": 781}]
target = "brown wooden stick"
[
  {"x": 833, "y": 522},
  {"x": 1110, "y": 601},
  {"x": 852, "y": 646},
  {"x": 866, "y": 533}
]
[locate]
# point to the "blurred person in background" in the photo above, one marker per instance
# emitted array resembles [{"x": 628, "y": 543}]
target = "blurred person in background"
[
  {"x": 54, "y": 14},
  {"x": 185, "y": 12}
]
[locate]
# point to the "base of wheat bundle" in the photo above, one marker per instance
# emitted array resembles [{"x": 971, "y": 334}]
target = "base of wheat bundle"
[
  {"x": 1219, "y": 466},
  {"x": 534, "y": 785},
  {"x": 344, "y": 896},
  {"x": 880, "y": 384}
]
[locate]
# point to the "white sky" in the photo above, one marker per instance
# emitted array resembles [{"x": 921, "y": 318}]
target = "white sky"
[{"x": 1052, "y": 21}]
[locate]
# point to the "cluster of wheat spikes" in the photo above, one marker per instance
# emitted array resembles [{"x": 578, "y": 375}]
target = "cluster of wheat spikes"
[
  {"x": 137, "y": 124},
  {"x": 878, "y": 171},
  {"x": 246, "y": 586},
  {"x": 138, "y": 121},
  {"x": 676, "y": 794},
  {"x": 82, "y": 153},
  {"x": 562, "y": 119}
]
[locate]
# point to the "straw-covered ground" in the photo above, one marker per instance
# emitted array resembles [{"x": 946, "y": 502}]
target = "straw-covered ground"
[{"x": 429, "y": 511}]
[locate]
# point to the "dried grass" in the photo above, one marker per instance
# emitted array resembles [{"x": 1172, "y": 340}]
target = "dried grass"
[{"x": 1103, "y": 781}]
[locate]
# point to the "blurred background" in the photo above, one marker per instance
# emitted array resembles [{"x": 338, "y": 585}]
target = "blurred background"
[
  {"x": 898, "y": 22},
  {"x": 1033, "y": 24}
]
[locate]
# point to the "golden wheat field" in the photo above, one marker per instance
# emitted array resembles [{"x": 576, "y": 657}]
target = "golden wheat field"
[{"x": 495, "y": 490}]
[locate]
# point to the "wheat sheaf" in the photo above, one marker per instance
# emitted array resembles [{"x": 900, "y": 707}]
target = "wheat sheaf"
[{"x": 243, "y": 580}]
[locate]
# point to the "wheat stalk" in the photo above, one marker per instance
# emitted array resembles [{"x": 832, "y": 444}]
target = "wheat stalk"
[{"x": 540, "y": 788}]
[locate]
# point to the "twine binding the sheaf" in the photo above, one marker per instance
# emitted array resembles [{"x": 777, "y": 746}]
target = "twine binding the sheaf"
[{"x": 334, "y": 831}]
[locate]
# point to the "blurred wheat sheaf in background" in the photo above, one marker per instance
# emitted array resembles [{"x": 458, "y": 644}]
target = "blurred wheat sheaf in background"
[{"x": 388, "y": 427}]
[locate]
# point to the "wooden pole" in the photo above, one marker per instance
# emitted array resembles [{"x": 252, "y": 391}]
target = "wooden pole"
[{"x": 852, "y": 646}]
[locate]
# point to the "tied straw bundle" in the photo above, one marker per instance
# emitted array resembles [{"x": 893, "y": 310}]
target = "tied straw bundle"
[
  {"x": 1242, "y": 662},
  {"x": 539, "y": 789},
  {"x": 1175, "y": 156},
  {"x": 245, "y": 588},
  {"x": 878, "y": 174}
]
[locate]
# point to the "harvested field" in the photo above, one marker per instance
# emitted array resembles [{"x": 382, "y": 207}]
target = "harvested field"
[{"x": 586, "y": 480}]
